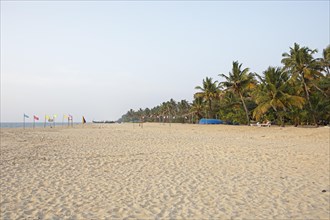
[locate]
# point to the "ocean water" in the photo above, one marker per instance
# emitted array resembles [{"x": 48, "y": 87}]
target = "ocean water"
[{"x": 30, "y": 124}]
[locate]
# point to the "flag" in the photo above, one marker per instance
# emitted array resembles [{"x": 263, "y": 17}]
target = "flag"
[
  {"x": 83, "y": 120},
  {"x": 26, "y": 116},
  {"x": 70, "y": 117},
  {"x": 47, "y": 117},
  {"x": 54, "y": 116},
  {"x": 65, "y": 116},
  {"x": 35, "y": 117}
]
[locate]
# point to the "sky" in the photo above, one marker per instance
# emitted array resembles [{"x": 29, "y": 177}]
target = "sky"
[{"x": 98, "y": 59}]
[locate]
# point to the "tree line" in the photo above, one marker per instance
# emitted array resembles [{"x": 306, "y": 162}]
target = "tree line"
[{"x": 296, "y": 93}]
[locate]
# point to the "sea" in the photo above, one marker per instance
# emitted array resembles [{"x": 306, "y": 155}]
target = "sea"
[{"x": 37, "y": 124}]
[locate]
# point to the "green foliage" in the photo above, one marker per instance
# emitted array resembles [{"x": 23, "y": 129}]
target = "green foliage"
[
  {"x": 297, "y": 93},
  {"x": 324, "y": 61},
  {"x": 273, "y": 93},
  {"x": 170, "y": 111},
  {"x": 209, "y": 92},
  {"x": 305, "y": 71},
  {"x": 239, "y": 82}
]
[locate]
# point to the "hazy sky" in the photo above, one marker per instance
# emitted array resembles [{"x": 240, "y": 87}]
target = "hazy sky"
[{"x": 101, "y": 58}]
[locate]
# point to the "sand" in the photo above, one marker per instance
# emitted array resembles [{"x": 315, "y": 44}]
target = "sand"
[{"x": 117, "y": 171}]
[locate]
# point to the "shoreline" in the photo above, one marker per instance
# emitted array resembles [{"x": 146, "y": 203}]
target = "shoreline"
[{"x": 77, "y": 124}]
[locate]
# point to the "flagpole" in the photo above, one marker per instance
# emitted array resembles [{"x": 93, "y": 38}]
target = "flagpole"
[
  {"x": 24, "y": 121},
  {"x": 45, "y": 122},
  {"x": 34, "y": 121}
]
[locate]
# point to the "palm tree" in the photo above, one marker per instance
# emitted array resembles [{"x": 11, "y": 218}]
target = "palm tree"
[
  {"x": 231, "y": 108},
  {"x": 238, "y": 82},
  {"x": 325, "y": 60},
  {"x": 164, "y": 110},
  {"x": 197, "y": 107},
  {"x": 209, "y": 92},
  {"x": 273, "y": 93},
  {"x": 304, "y": 69},
  {"x": 128, "y": 116},
  {"x": 183, "y": 107}
]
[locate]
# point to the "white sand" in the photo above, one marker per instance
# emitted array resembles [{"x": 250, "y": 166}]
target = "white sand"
[{"x": 161, "y": 171}]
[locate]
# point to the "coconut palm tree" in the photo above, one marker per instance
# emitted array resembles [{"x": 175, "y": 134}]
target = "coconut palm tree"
[
  {"x": 197, "y": 107},
  {"x": 273, "y": 93},
  {"x": 325, "y": 60},
  {"x": 209, "y": 92},
  {"x": 183, "y": 109},
  {"x": 238, "y": 82},
  {"x": 305, "y": 70},
  {"x": 231, "y": 108}
]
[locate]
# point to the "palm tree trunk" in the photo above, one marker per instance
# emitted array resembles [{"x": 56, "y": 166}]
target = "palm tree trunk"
[
  {"x": 210, "y": 104},
  {"x": 320, "y": 90},
  {"x": 246, "y": 111},
  {"x": 282, "y": 121},
  {"x": 308, "y": 100}
]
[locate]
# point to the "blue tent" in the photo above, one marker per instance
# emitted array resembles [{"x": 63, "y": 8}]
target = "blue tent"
[{"x": 210, "y": 121}]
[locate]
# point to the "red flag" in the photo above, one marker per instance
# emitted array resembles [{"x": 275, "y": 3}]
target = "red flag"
[{"x": 35, "y": 117}]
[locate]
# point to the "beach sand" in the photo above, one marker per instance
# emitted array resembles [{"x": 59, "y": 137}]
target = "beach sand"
[{"x": 109, "y": 171}]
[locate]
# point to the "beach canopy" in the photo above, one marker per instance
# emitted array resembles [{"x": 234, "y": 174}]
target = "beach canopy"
[{"x": 210, "y": 121}]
